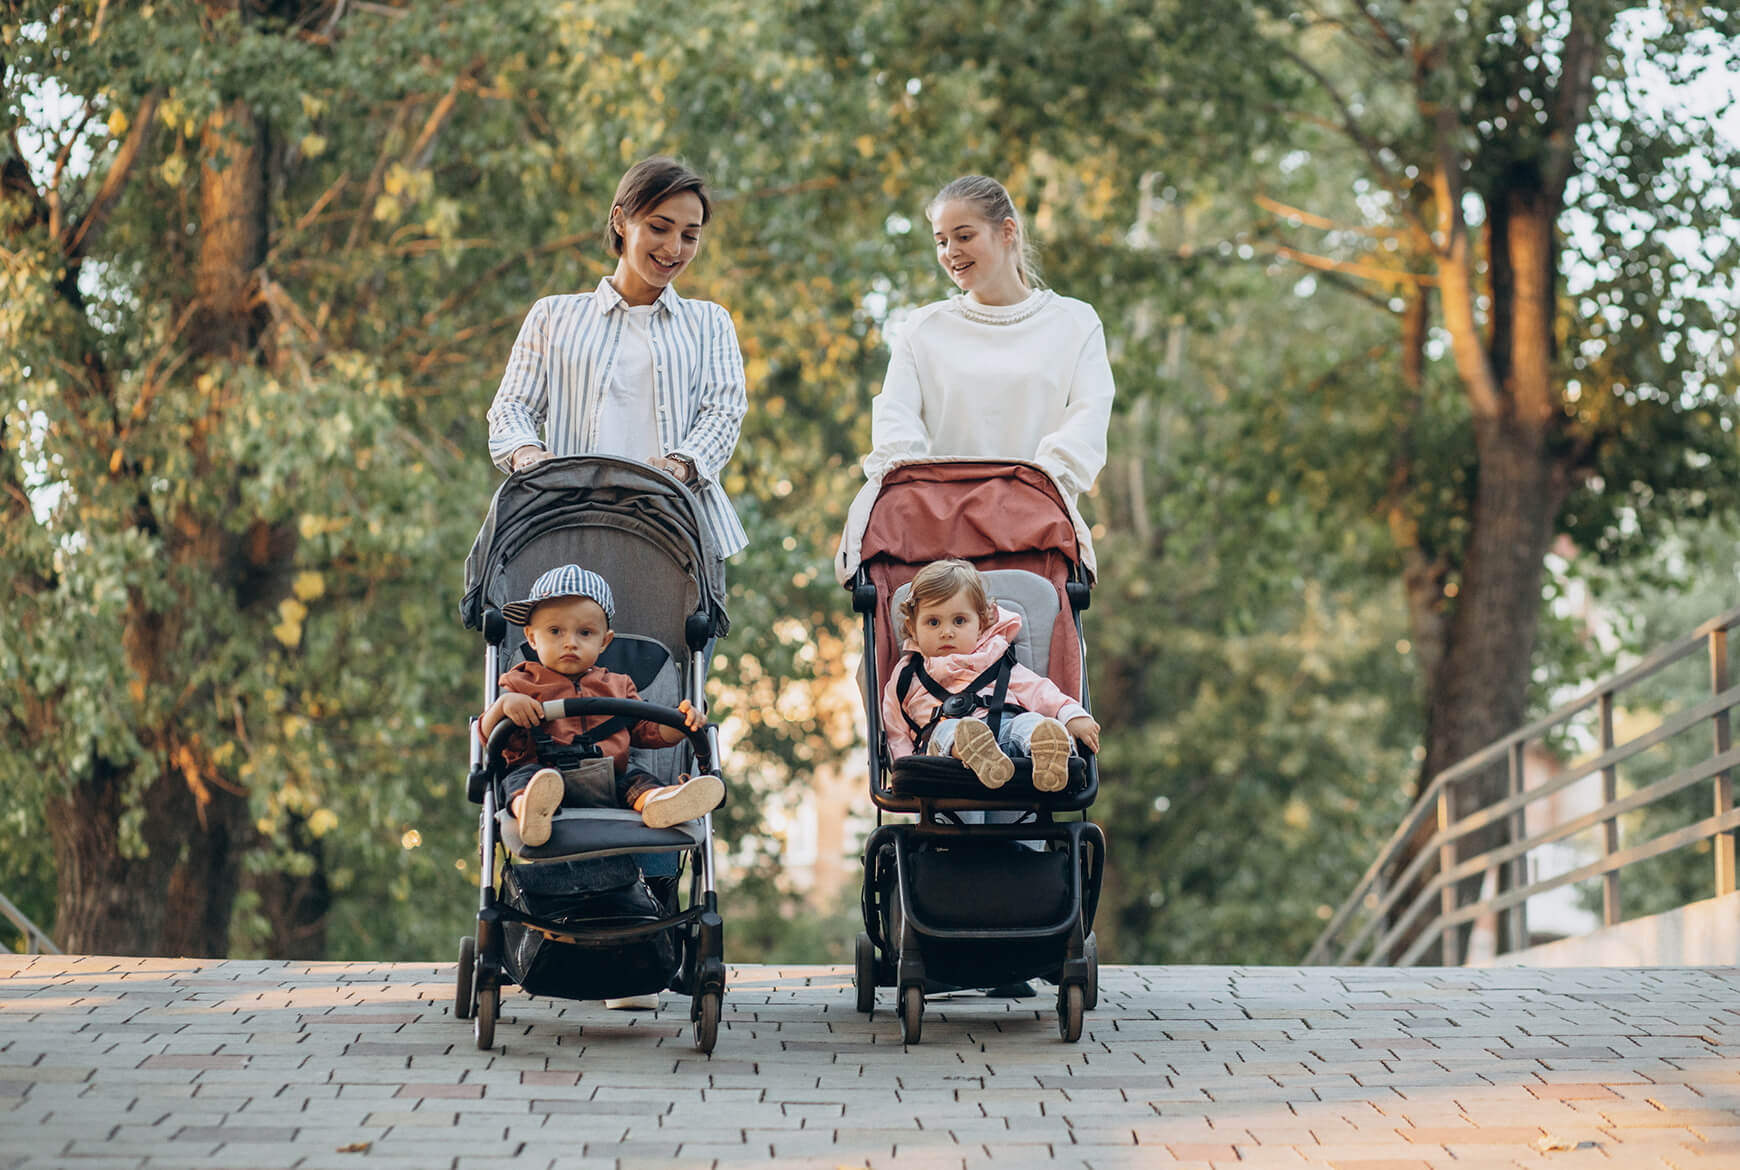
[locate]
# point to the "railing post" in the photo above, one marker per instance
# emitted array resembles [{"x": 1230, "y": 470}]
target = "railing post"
[
  {"x": 1724, "y": 780},
  {"x": 1449, "y": 953},
  {"x": 1518, "y": 919},
  {"x": 1610, "y": 827}
]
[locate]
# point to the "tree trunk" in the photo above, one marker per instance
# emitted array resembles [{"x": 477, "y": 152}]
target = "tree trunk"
[
  {"x": 178, "y": 896},
  {"x": 1479, "y": 691},
  {"x": 107, "y": 903}
]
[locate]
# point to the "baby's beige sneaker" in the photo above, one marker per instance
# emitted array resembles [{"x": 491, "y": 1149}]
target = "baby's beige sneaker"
[
  {"x": 976, "y": 746},
  {"x": 1049, "y": 745}
]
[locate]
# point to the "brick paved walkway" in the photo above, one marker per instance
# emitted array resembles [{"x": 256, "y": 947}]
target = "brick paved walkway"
[{"x": 153, "y": 1063}]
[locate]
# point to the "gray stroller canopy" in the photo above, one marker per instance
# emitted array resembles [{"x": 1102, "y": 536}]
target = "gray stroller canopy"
[{"x": 635, "y": 525}]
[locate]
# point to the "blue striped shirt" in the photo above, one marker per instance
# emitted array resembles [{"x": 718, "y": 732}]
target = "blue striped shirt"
[{"x": 559, "y": 373}]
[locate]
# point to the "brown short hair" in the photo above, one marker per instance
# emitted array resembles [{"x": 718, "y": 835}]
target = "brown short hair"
[
  {"x": 941, "y": 580},
  {"x": 647, "y": 184}
]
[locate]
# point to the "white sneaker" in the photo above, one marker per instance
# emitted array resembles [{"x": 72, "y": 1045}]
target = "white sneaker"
[
  {"x": 634, "y": 1003},
  {"x": 542, "y": 797},
  {"x": 665, "y": 807}
]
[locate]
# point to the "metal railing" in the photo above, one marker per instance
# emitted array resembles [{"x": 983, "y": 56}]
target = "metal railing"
[
  {"x": 36, "y": 942},
  {"x": 1404, "y": 905}
]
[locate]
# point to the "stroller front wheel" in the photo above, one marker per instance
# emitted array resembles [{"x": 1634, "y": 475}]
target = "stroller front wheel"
[
  {"x": 911, "y": 1014},
  {"x": 864, "y": 973},
  {"x": 706, "y": 1021},
  {"x": 1071, "y": 1005},
  {"x": 483, "y": 1024},
  {"x": 463, "y": 978}
]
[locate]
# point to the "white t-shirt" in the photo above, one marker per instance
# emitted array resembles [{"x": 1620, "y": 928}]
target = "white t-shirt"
[{"x": 626, "y": 426}]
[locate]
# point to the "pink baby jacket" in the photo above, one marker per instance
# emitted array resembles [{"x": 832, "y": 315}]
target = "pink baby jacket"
[{"x": 954, "y": 671}]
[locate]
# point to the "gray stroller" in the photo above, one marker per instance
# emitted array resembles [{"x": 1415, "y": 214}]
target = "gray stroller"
[{"x": 575, "y": 918}]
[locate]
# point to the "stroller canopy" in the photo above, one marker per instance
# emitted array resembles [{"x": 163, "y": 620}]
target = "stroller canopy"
[{"x": 635, "y": 525}]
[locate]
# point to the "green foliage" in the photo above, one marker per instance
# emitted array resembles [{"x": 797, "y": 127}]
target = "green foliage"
[{"x": 297, "y": 515}]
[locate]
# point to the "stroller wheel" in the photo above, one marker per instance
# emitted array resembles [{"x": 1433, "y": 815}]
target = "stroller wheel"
[
  {"x": 1091, "y": 951},
  {"x": 706, "y": 1021},
  {"x": 911, "y": 1014},
  {"x": 463, "y": 977},
  {"x": 1071, "y": 1004},
  {"x": 864, "y": 973},
  {"x": 483, "y": 1024}
]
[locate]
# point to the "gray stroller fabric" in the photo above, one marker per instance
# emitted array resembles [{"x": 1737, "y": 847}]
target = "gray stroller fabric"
[{"x": 636, "y": 525}]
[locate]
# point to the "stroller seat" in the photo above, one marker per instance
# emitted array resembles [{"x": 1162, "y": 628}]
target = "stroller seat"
[
  {"x": 598, "y": 832},
  {"x": 609, "y": 832},
  {"x": 1034, "y": 600}
]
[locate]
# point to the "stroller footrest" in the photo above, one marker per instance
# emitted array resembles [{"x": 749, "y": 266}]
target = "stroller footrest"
[{"x": 943, "y": 776}]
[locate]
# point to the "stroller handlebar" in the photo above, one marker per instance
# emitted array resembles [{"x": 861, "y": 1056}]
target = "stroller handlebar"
[{"x": 634, "y": 710}]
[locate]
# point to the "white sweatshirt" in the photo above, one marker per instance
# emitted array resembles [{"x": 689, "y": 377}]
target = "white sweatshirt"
[
  {"x": 1028, "y": 381},
  {"x": 1025, "y": 383}
]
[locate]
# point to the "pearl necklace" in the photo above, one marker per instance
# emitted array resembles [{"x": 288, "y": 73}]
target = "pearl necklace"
[{"x": 966, "y": 309}]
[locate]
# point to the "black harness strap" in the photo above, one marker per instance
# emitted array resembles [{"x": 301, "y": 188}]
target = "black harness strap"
[
  {"x": 957, "y": 704},
  {"x": 584, "y": 744}
]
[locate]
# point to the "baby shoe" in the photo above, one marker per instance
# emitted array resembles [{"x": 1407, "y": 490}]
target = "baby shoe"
[
  {"x": 663, "y": 807},
  {"x": 1049, "y": 745},
  {"x": 538, "y": 803},
  {"x": 976, "y": 746}
]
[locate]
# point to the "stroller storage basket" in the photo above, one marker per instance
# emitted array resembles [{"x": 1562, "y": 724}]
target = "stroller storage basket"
[{"x": 582, "y": 896}]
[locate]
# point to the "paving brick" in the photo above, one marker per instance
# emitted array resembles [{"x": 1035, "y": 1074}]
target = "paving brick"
[{"x": 1262, "y": 1068}]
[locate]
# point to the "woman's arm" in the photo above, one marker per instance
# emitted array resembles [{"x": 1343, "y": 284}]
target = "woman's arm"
[
  {"x": 1075, "y": 452},
  {"x": 897, "y": 429},
  {"x": 522, "y": 400},
  {"x": 720, "y": 403}
]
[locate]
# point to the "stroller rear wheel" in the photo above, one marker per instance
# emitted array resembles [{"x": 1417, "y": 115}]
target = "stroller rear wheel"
[
  {"x": 483, "y": 1024},
  {"x": 1071, "y": 1004},
  {"x": 911, "y": 1014},
  {"x": 864, "y": 973},
  {"x": 706, "y": 1015},
  {"x": 463, "y": 978}
]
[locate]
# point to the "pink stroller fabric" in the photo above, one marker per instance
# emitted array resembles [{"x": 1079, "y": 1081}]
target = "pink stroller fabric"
[{"x": 996, "y": 515}]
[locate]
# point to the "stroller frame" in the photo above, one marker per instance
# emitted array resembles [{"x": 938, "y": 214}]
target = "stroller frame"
[
  {"x": 483, "y": 969},
  {"x": 902, "y": 943}
]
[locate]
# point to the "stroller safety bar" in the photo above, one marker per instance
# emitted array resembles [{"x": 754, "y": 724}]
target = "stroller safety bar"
[{"x": 632, "y": 709}]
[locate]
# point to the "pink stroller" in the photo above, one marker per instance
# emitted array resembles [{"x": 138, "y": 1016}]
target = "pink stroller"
[{"x": 949, "y": 903}]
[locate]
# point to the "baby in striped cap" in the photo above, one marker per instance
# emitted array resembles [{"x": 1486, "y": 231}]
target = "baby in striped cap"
[{"x": 567, "y": 618}]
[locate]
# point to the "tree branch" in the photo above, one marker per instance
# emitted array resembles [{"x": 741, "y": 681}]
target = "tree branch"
[
  {"x": 115, "y": 180},
  {"x": 1311, "y": 219},
  {"x": 1456, "y": 265},
  {"x": 1350, "y": 124},
  {"x": 1571, "y": 103},
  {"x": 418, "y": 156},
  {"x": 1375, "y": 272}
]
